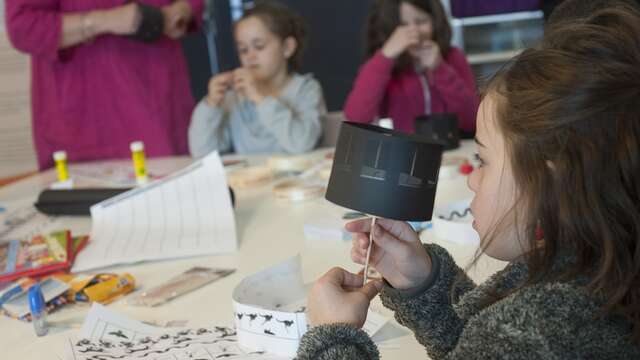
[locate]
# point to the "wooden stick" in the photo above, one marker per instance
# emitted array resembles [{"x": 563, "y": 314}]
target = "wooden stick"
[{"x": 366, "y": 264}]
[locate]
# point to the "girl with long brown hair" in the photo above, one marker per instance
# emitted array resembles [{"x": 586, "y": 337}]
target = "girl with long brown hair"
[
  {"x": 557, "y": 195},
  {"x": 412, "y": 69}
]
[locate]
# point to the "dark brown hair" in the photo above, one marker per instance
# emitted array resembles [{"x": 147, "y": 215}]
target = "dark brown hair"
[
  {"x": 384, "y": 18},
  {"x": 284, "y": 23},
  {"x": 569, "y": 112},
  {"x": 570, "y": 10}
]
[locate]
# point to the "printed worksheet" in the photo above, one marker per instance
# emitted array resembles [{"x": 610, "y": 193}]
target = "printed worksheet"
[
  {"x": 188, "y": 213},
  {"x": 109, "y": 335}
]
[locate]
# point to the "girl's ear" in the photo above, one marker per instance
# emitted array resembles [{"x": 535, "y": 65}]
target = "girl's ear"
[{"x": 290, "y": 46}]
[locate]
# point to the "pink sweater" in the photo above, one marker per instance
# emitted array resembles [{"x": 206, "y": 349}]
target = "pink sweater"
[
  {"x": 379, "y": 92},
  {"x": 93, "y": 99}
]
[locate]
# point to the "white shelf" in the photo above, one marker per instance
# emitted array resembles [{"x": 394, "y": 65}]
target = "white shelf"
[
  {"x": 498, "y": 18},
  {"x": 492, "y": 57}
]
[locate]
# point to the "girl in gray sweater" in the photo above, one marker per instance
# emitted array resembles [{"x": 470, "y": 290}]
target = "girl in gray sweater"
[
  {"x": 557, "y": 194},
  {"x": 264, "y": 106}
]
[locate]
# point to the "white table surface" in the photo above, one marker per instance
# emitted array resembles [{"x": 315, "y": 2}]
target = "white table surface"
[{"x": 269, "y": 231}]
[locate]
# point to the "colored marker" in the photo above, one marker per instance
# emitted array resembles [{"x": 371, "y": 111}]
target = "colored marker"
[{"x": 38, "y": 311}]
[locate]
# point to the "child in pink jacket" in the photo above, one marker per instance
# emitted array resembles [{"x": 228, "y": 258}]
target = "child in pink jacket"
[{"x": 412, "y": 69}]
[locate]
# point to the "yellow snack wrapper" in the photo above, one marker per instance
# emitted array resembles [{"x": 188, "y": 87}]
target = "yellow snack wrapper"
[{"x": 110, "y": 288}]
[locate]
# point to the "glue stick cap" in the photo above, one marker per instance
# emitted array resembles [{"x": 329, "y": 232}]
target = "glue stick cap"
[
  {"x": 60, "y": 155},
  {"x": 137, "y": 146},
  {"x": 36, "y": 300},
  {"x": 386, "y": 123}
]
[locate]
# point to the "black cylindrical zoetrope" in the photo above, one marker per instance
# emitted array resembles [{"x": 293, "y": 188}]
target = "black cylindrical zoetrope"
[{"x": 384, "y": 173}]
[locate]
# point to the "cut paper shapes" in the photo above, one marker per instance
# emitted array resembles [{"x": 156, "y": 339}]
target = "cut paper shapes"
[
  {"x": 109, "y": 335},
  {"x": 270, "y": 310}
]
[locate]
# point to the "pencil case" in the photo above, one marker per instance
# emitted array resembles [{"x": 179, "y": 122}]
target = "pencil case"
[
  {"x": 73, "y": 201},
  {"x": 79, "y": 201}
]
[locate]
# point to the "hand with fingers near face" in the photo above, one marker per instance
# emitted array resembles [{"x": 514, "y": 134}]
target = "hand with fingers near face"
[
  {"x": 218, "y": 85},
  {"x": 339, "y": 297},
  {"x": 245, "y": 84},
  {"x": 428, "y": 55},
  {"x": 403, "y": 38},
  {"x": 397, "y": 254},
  {"x": 177, "y": 17}
]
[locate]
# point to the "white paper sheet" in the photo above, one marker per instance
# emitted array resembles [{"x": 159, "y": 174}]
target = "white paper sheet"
[
  {"x": 186, "y": 214},
  {"x": 21, "y": 220},
  {"x": 109, "y": 335},
  {"x": 269, "y": 310},
  {"x": 374, "y": 323},
  {"x": 103, "y": 324},
  {"x": 448, "y": 226},
  {"x": 324, "y": 221}
]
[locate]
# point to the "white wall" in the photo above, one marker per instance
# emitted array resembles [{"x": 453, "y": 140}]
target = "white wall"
[
  {"x": 17, "y": 155},
  {"x": 2, "y": 15}
]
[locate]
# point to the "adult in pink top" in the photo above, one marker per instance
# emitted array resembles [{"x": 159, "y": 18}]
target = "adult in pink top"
[
  {"x": 412, "y": 70},
  {"x": 95, "y": 88}
]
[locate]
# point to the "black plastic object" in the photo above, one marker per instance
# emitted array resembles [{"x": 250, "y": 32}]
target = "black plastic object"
[
  {"x": 151, "y": 23},
  {"x": 79, "y": 201},
  {"x": 439, "y": 128},
  {"x": 384, "y": 173},
  {"x": 73, "y": 201}
]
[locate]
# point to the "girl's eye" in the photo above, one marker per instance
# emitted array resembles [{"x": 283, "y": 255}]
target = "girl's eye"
[
  {"x": 259, "y": 47},
  {"x": 242, "y": 51},
  {"x": 480, "y": 161}
]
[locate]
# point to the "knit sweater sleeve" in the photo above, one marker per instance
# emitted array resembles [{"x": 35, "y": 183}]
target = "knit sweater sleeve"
[
  {"x": 517, "y": 329},
  {"x": 429, "y": 310},
  {"x": 542, "y": 321},
  {"x": 545, "y": 321},
  {"x": 336, "y": 341},
  {"x": 426, "y": 310}
]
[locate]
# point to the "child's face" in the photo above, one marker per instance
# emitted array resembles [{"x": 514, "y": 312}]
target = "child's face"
[
  {"x": 418, "y": 19},
  {"x": 495, "y": 189},
  {"x": 261, "y": 51}
]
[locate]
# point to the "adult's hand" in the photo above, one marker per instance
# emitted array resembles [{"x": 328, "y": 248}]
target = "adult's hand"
[{"x": 177, "y": 17}]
